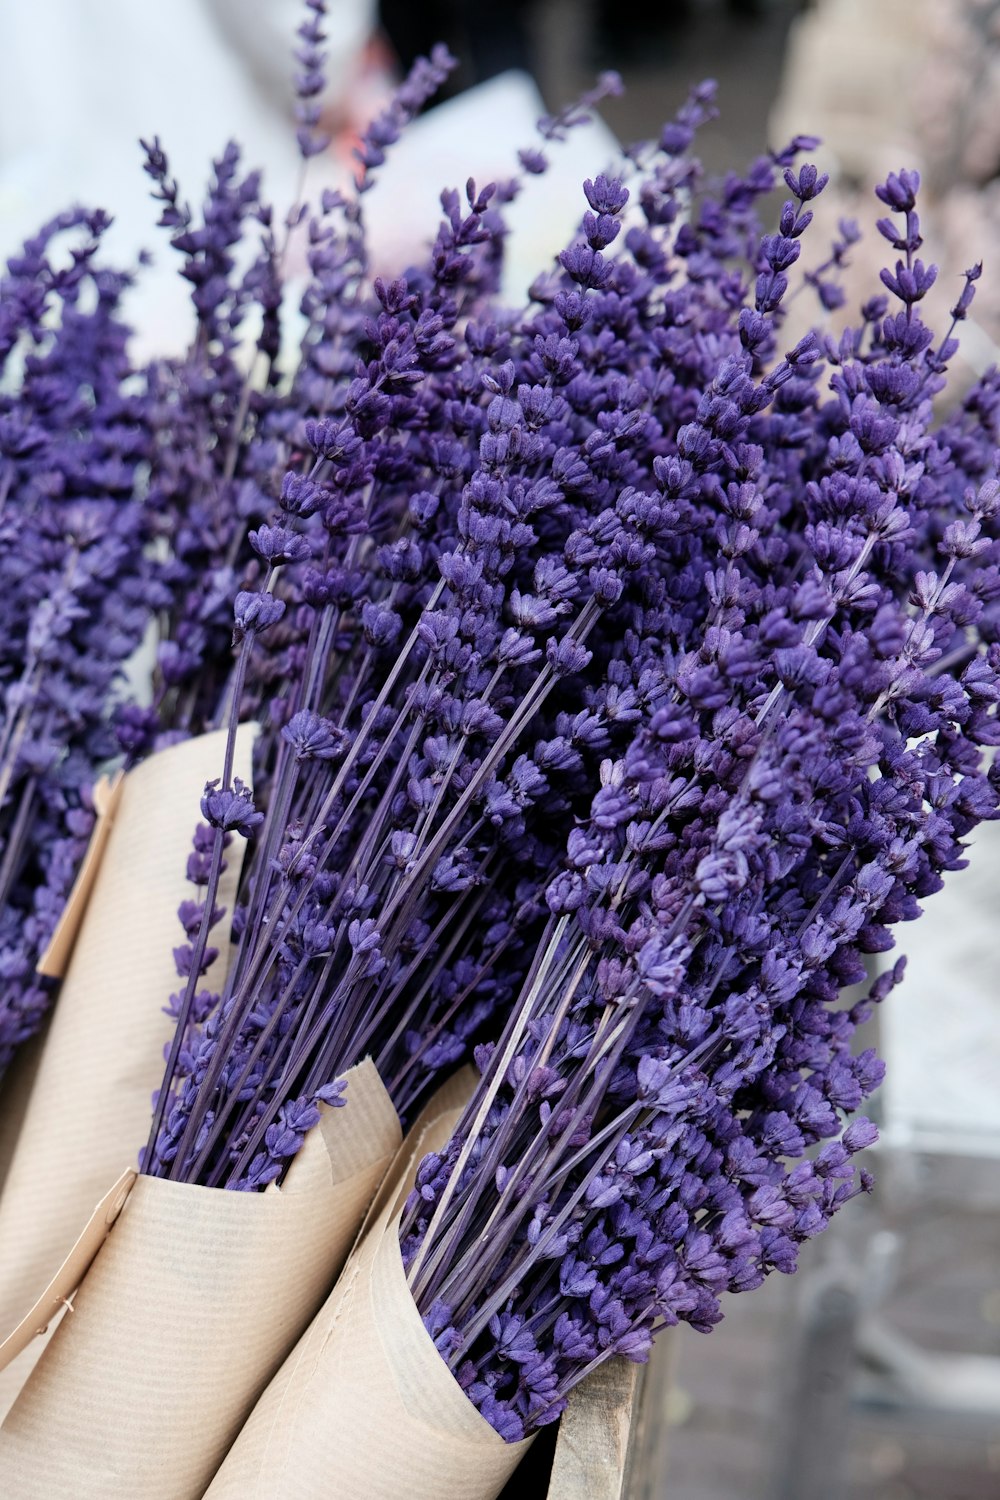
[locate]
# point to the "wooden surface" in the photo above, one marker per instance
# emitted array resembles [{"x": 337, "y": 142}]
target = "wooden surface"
[
  {"x": 592, "y": 1450},
  {"x": 648, "y": 1458},
  {"x": 611, "y": 1443}
]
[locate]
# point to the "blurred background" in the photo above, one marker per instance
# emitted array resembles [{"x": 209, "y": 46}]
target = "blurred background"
[{"x": 874, "y": 1374}]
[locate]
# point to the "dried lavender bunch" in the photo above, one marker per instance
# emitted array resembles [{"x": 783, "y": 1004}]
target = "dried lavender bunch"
[
  {"x": 91, "y": 548},
  {"x": 226, "y": 420},
  {"x": 75, "y": 584},
  {"x": 663, "y": 1117},
  {"x": 212, "y": 417},
  {"x": 222, "y": 417},
  {"x": 381, "y": 597},
  {"x": 602, "y": 396}
]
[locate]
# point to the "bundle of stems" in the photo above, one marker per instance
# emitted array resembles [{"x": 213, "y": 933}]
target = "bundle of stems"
[{"x": 665, "y": 1116}]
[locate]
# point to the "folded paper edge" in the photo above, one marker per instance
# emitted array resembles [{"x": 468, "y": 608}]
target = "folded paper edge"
[
  {"x": 54, "y": 961},
  {"x": 356, "y": 1150},
  {"x": 375, "y": 1274},
  {"x": 72, "y": 1271},
  {"x": 383, "y": 1134},
  {"x": 450, "y": 1098},
  {"x": 390, "y": 1290},
  {"x": 371, "y": 1247},
  {"x": 107, "y": 796}
]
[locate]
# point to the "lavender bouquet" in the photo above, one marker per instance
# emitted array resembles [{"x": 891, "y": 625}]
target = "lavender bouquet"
[
  {"x": 140, "y": 484},
  {"x": 209, "y": 436},
  {"x": 408, "y": 621},
  {"x": 128, "y": 495},
  {"x": 666, "y": 1115},
  {"x": 620, "y": 681},
  {"x": 75, "y": 583}
]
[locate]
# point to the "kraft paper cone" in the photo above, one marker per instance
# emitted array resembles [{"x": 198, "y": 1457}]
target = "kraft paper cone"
[
  {"x": 365, "y": 1406},
  {"x": 193, "y": 1300},
  {"x": 22, "y": 1349},
  {"x": 38, "y": 1321},
  {"x": 89, "y": 1110},
  {"x": 429, "y": 1132}
]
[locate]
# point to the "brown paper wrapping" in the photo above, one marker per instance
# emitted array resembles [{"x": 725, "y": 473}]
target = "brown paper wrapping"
[
  {"x": 191, "y": 1303},
  {"x": 365, "y": 1406},
  {"x": 107, "y": 797},
  {"x": 59, "y": 1292},
  {"x": 14, "y": 1375},
  {"x": 89, "y": 1109}
]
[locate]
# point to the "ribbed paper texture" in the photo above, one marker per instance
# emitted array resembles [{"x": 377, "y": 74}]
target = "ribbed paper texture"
[
  {"x": 57, "y": 1296},
  {"x": 89, "y": 1109},
  {"x": 365, "y": 1408},
  {"x": 192, "y": 1302},
  {"x": 15, "y": 1091}
]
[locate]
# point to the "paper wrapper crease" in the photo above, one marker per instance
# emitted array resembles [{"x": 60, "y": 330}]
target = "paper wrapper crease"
[
  {"x": 193, "y": 1300},
  {"x": 90, "y": 1107},
  {"x": 365, "y": 1405}
]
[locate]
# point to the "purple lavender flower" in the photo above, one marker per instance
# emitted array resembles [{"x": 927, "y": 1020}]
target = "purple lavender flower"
[
  {"x": 77, "y": 588},
  {"x": 407, "y": 716},
  {"x": 662, "y": 1118},
  {"x": 622, "y": 682}
]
